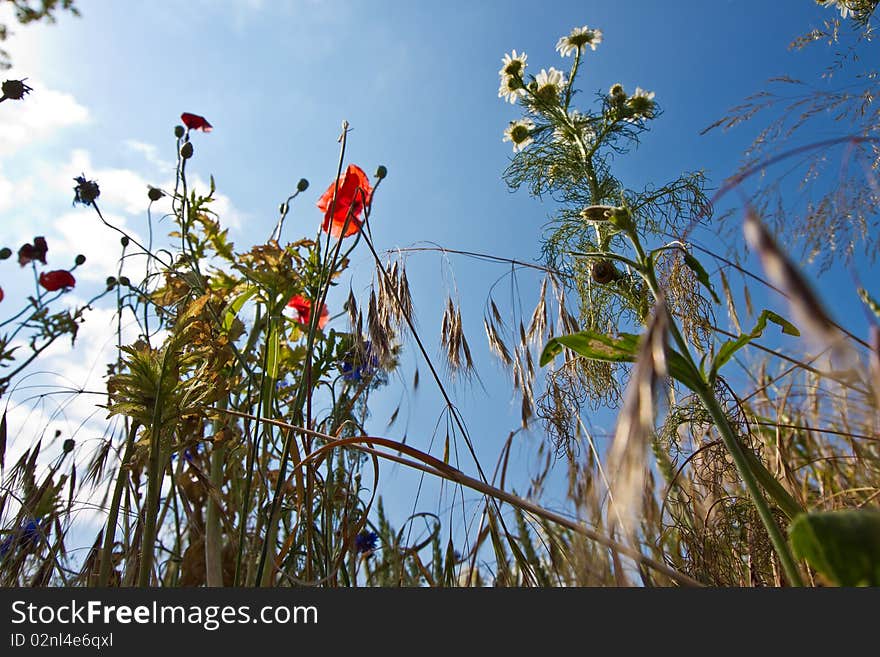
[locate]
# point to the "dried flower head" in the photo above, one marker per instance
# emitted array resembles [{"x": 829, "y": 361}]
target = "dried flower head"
[
  {"x": 15, "y": 89},
  {"x": 30, "y": 252},
  {"x": 86, "y": 191}
]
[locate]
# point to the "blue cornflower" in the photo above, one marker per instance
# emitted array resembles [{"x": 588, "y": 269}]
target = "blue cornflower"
[
  {"x": 86, "y": 191},
  {"x": 27, "y": 535},
  {"x": 366, "y": 541},
  {"x": 358, "y": 364}
]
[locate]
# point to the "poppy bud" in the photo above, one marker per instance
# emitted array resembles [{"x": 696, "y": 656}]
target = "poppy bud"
[
  {"x": 124, "y": 280},
  {"x": 178, "y": 131},
  {"x": 186, "y": 150},
  {"x": 381, "y": 172},
  {"x": 111, "y": 282},
  {"x": 124, "y": 240},
  {"x": 69, "y": 444},
  {"x": 155, "y": 194},
  {"x": 80, "y": 259},
  {"x": 603, "y": 272},
  {"x": 5, "y": 252},
  {"x": 302, "y": 185}
]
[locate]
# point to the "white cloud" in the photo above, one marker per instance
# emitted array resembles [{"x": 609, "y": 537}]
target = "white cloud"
[
  {"x": 151, "y": 155},
  {"x": 38, "y": 117}
]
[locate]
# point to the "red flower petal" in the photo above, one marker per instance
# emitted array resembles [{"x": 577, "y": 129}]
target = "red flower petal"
[
  {"x": 196, "y": 122},
  {"x": 353, "y": 192},
  {"x": 1, "y": 294},
  {"x": 56, "y": 280},
  {"x": 303, "y": 309}
]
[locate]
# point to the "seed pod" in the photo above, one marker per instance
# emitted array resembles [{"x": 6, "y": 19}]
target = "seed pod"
[
  {"x": 597, "y": 212},
  {"x": 15, "y": 89},
  {"x": 604, "y": 272}
]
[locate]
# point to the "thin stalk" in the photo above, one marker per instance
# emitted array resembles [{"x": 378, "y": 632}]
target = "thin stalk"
[
  {"x": 154, "y": 484},
  {"x": 213, "y": 533},
  {"x": 110, "y": 533}
]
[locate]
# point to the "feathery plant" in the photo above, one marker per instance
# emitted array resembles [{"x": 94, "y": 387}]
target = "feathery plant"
[{"x": 608, "y": 240}]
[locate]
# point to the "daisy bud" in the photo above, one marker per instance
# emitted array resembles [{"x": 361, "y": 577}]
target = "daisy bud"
[
  {"x": 604, "y": 272},
  {"x": 80, "y": 260},
  {"x": 186, "y": 150},
  {"x": 381, "y": 172},
  {"x": 302, "y": 185},
  {"x": 179, "y": 131}
]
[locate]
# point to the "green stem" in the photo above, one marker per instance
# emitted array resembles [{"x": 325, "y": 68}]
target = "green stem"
[
  {"x": 110, "y": 533},
  {"x": 154, "y": 484},
  {"x": 213, "y": 533},
  {"x": 731, "y": 442}
]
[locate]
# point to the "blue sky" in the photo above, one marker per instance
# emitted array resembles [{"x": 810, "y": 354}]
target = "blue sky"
[{"x": 418, "y": 83}]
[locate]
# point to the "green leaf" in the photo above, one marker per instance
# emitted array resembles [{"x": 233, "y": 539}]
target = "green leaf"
[
  {"x": 702, "y": 276},
  {"x": 775, "y": 490},
  {"x": 681, "y": 370},
  {"x": 844, "y": 546},
  {"x": 623, "y": 349},
  {"x": 273, "y": 345},
  {"x": 595, "y": 346},
  {"x": 729, "y": 348},
  {"x": 236, "y": 305}
]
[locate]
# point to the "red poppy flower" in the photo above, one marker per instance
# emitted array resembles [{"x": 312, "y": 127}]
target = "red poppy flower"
[
  {"x": 56, "y": 280},
  {"x": 1, "y": 294},
  {"x": 303, "y": 309},
  {"x": 196, "y": 122},
  {"x": 353, "y": 193},
  {"x": 36, "y": 251}
]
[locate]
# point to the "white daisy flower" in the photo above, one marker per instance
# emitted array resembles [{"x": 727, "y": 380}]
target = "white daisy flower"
[
  {"x": 641, "y": 103},
  {"x": 511, "y": 73},
  {"x": 513, "y": 64},
  {"x": 549, "y": 84},
  {"x": 520, "y": 133},
  {"x": 511, "y": 89},
  {"x": 842, "y": 5},
  {"x": 579, "y": 37}
]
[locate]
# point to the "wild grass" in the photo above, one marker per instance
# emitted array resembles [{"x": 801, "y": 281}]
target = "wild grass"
[{"x": 238, "y": 448}]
